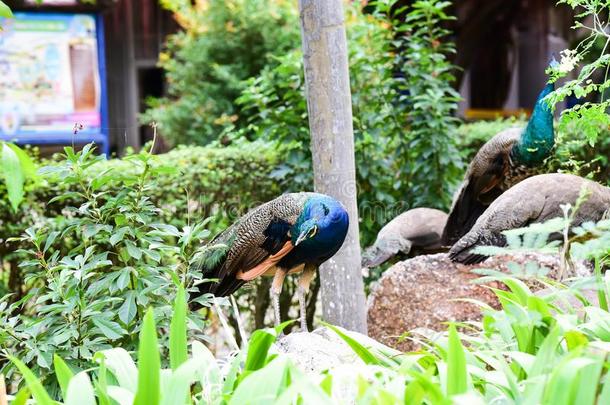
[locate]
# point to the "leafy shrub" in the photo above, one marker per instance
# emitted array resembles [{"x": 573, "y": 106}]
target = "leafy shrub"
[
  {"x": 203, "y": 182},
  {"x": 92, "y": 273},
  {"x": 531, "y": 350},
  {"x": 223, "y": 42},
  {"x": 429, "y": 101}
]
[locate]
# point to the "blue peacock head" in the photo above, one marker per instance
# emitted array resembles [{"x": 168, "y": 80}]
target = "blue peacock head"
[
  {"x": 538, "y": 138},
  {"x": 323, "y": 222}
]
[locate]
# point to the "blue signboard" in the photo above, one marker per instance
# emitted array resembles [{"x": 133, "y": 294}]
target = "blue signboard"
[{"x": 52, "y": 79}]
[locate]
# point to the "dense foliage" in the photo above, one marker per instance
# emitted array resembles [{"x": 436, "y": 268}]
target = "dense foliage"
[
  {"x": 201, "y": 182},
  {"x": 93, "y": 272},
  {"x": 535, "y": 348},
  {"x": 222, "y": 43},
  {"x": 403, "y": 126}
]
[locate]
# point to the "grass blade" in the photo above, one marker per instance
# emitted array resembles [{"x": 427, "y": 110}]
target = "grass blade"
[
  {"x": 457, "y": 377},
  {"x": 63, "y": 373},
  {"x": 178, "y": 351},
  {"x": 149, "y": 364}
]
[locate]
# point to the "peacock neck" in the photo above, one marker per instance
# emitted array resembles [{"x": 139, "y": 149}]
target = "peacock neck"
[{"x": 538, "y": 138}]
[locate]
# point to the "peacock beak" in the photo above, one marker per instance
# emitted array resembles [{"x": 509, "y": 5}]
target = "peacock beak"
[{"x": 301, "y": 238}]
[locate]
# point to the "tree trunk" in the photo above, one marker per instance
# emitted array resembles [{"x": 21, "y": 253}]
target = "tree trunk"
[{"x": 332, "y": 144}]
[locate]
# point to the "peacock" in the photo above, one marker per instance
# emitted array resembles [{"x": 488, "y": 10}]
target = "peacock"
[
  {"x": 536, "y": 199},
  {"x": 418, "y": 229},
  {"x": 509, "y": 157},
  {"x": 293, "y": 233}
]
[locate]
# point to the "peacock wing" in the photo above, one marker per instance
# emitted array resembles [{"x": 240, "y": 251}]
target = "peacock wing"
[
  {"x": 484, "y": 182},
  {"x": 252, "y": 240}
]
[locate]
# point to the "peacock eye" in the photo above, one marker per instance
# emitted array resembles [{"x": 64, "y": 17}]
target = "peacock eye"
[{"x": 313, "y": 231}]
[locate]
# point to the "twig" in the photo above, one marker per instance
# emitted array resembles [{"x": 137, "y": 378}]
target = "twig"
[{"x": 225, "y": 325}]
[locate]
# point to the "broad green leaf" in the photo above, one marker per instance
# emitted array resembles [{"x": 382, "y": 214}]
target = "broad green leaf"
[
  {"x": 303, "y": 389},
  {"x": 110, "y": 329},
  {"x": 604, "y": 395},
  {"x": 80, "y": 390},
  {"x": 149, "y": 364},
  {"x": 457, "y": 377},
  {"x": 122, "y": 367},
  {"x": 13, "y": 175},
  {"x": 22, "y": 397},
  {"x": 563, "y": 385},
  {"x": 63, "y": 373},
  {"x": 128, "y": 310},
  {"x": 133, "y": 250},
  {"x": 263, "y": 385},
  {"x": 182, "y": 378},
  {"x": 258, "y": 347},
  {"x": 177, "y": 333},
  {"x": 5, "y": 11},
  {"x": 121, "y": 395},
  {"x": 27, "y": 164},
  {"x": 211, "y": 376},
  {"x": 101, "y": 386},
  {"x": 38, "y": 392}
]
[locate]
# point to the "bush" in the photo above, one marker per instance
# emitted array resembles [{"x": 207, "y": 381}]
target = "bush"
[
  {"x": 201, "y": 182},
  {"x": 549, "y": 349},
  {"x": 93, "y": 272},
  {"x": 222, "y": 44},
  {"x": 115, "y": 237}
]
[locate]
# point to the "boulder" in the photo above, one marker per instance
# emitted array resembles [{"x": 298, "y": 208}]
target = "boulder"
[
  {"x": 422, "y": 294},
  {"x": 319, "y": 350}
]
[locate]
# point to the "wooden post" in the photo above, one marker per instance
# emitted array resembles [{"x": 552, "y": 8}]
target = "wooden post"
[{"x": 332, "y": 145}]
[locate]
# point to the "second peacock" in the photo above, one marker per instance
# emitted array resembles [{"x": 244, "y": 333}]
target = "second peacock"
[{"x": 508, "y": 158}]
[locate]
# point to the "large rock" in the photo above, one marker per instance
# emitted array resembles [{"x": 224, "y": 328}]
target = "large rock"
[
  {"x": 422, "y": 294},
  {"x": 319, "y": 350}
]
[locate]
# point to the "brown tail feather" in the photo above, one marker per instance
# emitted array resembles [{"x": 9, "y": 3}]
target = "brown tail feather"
[{"x": 465, "y": 212}]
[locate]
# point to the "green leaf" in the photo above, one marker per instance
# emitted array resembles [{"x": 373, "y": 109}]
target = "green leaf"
[
  {"x": 22, "y": 397},
  {"x": 264, "y": 385},
  {"x": 110, "y": 329},
  {"x": 80, "y": 391},
  {"x": 457, "y": 377},
  {"x": 133, "y": 250},
  {"x": 149, "y": 364},
  {"x": 101, "y": 386},
  {"x": 177, "y": 332},
  {"x": 63, "y": 373},
  {"x": 122, "y": 367},
  {"x": 128, "y": 310},
  {"x": 38, "y": 392},
  {"x": 27, "y": 164},
  {"x": 5, "y": 11},
  {"x": 13, "y": 175},
  {"x": 258, "y": 347}
]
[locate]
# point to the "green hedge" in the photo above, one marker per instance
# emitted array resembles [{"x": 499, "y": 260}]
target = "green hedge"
[{"x": 211, "y": 180}]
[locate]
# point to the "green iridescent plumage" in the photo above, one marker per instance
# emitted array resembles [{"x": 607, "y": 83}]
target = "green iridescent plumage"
[{"x": 538, "y": 138}]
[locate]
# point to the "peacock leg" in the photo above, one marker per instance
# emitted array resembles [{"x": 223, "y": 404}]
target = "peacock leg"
[
  {"x": 276, "y": 289},
  {"x": 304, "y": 281}
]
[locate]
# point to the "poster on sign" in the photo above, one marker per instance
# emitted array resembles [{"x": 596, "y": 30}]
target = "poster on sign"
[{"x": 49, "y": 75}]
